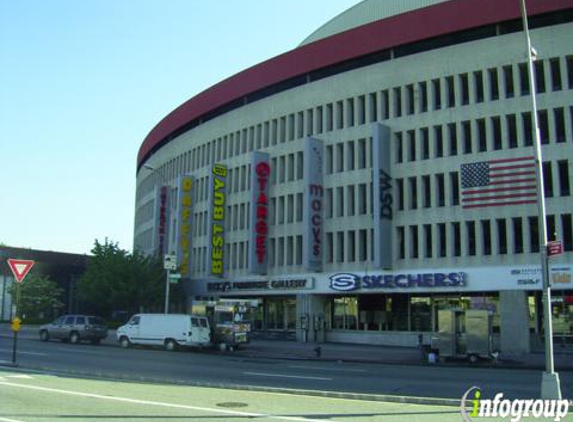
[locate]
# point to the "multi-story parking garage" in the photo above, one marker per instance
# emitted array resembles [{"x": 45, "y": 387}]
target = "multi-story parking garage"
[{"x": 377, "y": 173}]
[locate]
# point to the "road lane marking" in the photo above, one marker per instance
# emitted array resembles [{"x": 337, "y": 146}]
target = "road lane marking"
[
  {"x": 327, "y": 369},
  {"x": 23, "y": 376},
  {"x": 10, "y": 420},
  {"x": 264, "y": 374},
  {"x": 25, "y": 353},
  {"x": 162, "y": 404},
  {"x": 72, "y": 350}
]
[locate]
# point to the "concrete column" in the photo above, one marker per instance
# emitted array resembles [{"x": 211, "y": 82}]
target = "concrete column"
[
  {"x": 472, "y": 92},
  {"x": 431, "y": 136},
  {"x": 318, "y": 128},
  {"x": 514, "y": 328},
  {"x": 311, "y": 309},
  {"x": 451, "y": 239},
  {"x": 459, "y": 138},
  {"x": 489, "y": 134},
  {"x": 504, "y": 133},
  {"x": 486, "y": 86}
]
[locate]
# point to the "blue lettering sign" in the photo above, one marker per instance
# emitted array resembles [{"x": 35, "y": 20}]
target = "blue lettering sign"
[{"x": 345, "y": 282}]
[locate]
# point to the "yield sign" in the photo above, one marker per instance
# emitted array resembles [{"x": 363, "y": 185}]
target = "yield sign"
[{"x": 20, "y": 268}]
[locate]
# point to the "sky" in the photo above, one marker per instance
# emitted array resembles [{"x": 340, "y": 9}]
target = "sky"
[{"x": 82, "y": 83}]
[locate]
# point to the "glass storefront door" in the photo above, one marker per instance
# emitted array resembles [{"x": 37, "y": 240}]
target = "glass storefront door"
[
  {"x": 561, "y": 316},
  {"x": 280, "y": 314},
  {"x": 275, "y": 314},
  {"x": 290, "y": 314}
]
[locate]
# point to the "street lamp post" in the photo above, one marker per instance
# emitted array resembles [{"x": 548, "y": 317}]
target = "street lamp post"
[
  {"x": 550, "y": 385},
  {"x": 167, "y": 270}
]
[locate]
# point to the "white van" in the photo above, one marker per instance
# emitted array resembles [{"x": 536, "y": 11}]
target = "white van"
[{"x": 167, "y": 330}]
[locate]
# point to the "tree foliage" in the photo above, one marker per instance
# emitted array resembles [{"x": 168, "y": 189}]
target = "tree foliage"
[
  {"x": 40, "y": 298},
  {"x": 116, "y": 280}
]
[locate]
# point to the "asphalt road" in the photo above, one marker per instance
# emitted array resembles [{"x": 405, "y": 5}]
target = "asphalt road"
[
  {"x": 39, "y": 397},
  {"x": 214, "y": 368}
]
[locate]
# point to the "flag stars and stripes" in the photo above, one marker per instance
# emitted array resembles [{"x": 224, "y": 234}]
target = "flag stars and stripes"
[{"x": 495, "y": 183}]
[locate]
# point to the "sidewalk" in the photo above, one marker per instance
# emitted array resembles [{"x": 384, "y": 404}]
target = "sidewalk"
[
  {"x": 336, "y": 352},
  {"x": 277, "y": 349}
]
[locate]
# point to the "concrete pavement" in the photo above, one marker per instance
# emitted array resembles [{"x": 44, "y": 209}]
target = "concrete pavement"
[{"x": 34, "y": 396}]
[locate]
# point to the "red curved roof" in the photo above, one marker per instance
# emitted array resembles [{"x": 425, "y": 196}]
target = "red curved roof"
[{"x": 416, "y": 25}]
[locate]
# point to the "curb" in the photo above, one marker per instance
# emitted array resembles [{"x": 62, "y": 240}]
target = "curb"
[
  {"x": 516, "y": 365},
  {"x": 435, "y": 401}
]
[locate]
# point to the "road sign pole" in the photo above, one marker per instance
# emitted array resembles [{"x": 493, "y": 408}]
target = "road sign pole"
[
  {"x": 170, "y": 264},
  {"x": 14, "y": 347},
  {"x": 167, "y": 281},
  {"x": 20, "y": 268},
  {"x": 17, "y": 316}
]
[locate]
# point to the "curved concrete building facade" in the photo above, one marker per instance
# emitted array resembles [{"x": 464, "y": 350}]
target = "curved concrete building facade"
[{"x": 376, "y": 174}]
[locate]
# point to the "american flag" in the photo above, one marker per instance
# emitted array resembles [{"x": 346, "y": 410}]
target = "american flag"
[{"x": 497, "y": 183}]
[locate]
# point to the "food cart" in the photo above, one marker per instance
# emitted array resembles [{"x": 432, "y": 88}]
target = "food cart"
[
  {"x": 464, "y": 334},
  {"x": 230, "y": 319}
]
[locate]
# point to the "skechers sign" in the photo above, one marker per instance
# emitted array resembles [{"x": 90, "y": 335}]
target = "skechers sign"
[{"x": 345, "y": 282}]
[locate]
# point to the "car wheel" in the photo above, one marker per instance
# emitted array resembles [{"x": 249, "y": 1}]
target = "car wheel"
[
  {"x": 124, "y": 342},
  {"x": 74, "y": 337},
  {"x": 170, "y": 344},
  {"x": 44, "y": 336},
  {"x": 472, "y": 358}
]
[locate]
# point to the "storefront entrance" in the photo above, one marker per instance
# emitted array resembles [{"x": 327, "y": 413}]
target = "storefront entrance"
[
  {"x": 562, "y": 318},
  {"x": 276, "y": 318}
]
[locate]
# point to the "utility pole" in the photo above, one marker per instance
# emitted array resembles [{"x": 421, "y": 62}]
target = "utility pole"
[{"x": 550, "y": 385}]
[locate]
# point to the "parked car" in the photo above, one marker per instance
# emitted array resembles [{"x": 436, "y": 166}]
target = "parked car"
[
  {"x": 75, "y": 328},
  {"x": 167, "y": 330}
]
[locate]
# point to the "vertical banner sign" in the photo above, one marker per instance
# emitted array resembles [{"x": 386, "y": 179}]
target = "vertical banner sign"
[
  {"x": 161, "y": 228},
  {"x": 313, "y": 204},
  {"x": 217, "y": 210},
  {"x": 184, "y": 221},
  {"x": 382, "y": 196},
  {"x": 259, "y": 211}
]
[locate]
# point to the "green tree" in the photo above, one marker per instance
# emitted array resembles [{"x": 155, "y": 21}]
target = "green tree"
[
  {"x": 118, "y": 280},
  {"x": 39, "y": 298}
]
